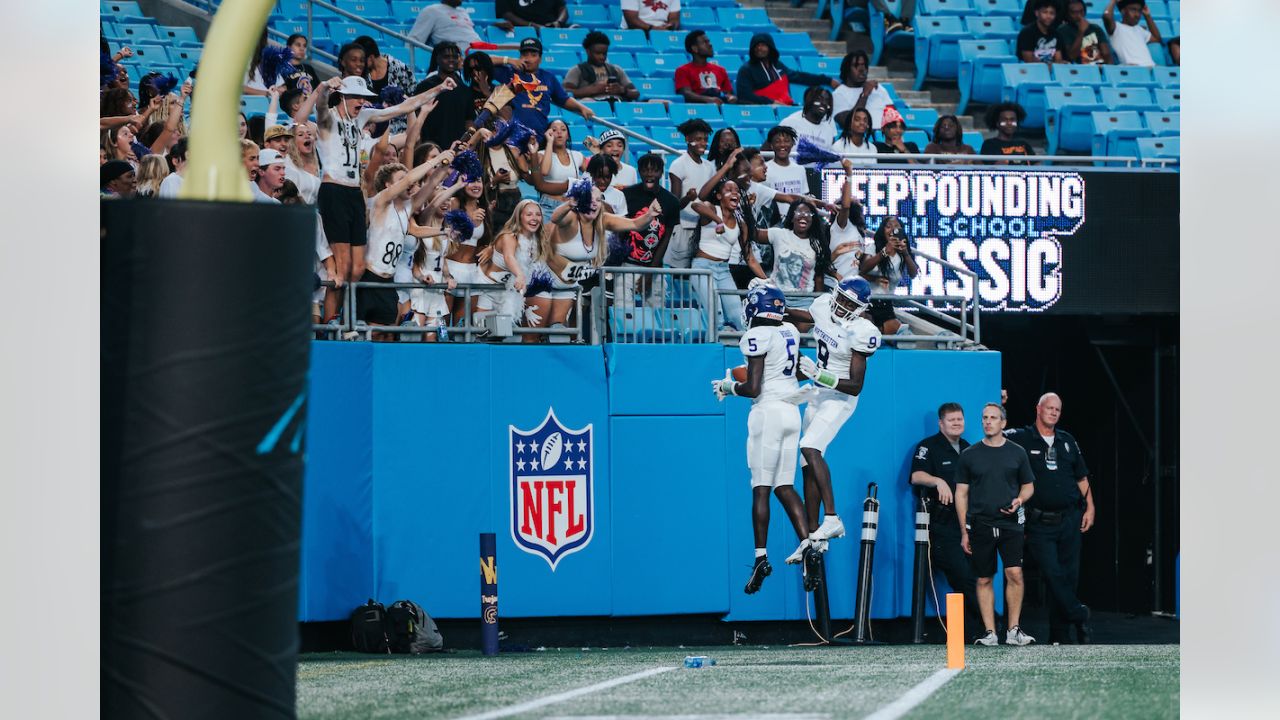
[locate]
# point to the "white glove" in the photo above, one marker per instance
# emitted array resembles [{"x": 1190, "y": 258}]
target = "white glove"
[
  {"x": 819, "y": 377},
  {"x": 723, "y": 388},
  {"x": 531, "y": 316}
]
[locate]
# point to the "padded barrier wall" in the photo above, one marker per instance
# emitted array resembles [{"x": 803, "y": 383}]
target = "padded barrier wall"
[{"x": 409, "y": 458}]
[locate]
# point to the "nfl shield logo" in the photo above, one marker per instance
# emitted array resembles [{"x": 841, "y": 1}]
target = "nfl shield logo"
[{"x": 552, "y": 495}]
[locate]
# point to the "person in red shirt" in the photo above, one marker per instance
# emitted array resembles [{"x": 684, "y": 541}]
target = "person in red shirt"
[{"x": 703, "y": 81}]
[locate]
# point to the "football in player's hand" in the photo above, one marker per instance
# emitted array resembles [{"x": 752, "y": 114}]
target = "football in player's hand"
[{"x": 740, "y": 373}]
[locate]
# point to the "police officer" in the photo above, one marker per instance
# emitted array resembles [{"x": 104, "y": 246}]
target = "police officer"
[
  {"x": 933, "y": 469},
  {"x": 1060, "y": 511}
]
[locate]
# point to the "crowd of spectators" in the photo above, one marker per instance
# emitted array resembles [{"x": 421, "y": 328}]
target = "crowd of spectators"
[{"x": 479, "y": 165}]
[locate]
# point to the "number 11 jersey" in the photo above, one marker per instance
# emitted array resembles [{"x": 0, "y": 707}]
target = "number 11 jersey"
[{"x": 780, "y": 346}]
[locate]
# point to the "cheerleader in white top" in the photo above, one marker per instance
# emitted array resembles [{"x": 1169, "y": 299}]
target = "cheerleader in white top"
[
  {"x": 509, "y": 260},
  {"x": 573, "y": 250}
]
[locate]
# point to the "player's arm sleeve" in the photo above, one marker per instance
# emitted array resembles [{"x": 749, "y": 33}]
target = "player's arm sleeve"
[{"x": 755, "y": 342}]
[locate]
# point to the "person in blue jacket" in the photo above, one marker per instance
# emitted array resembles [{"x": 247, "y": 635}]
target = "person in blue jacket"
[{"x": 764, "y": 80}]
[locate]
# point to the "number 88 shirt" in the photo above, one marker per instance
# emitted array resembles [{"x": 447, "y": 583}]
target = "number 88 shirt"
[
  {"x": 837, "y": 342},
  {"x": 773, "y": 427}
]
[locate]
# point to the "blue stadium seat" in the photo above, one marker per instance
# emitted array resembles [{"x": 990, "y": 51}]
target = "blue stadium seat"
[
  {"x": 919, "y": 137},
  {"x": 568, "y": 37},
  {"x": 667, "y": 42},
  {"x": 750, "y": 137},
  {"x": 591, "y": 16},
  {"x": 634, "y": 325},
  {"x": 668, "y": 135},
  {"x": 345, "y": 32},
  {"x": 147, "y": 54},
  {"x": 820, "y": 64},
  {"x": 992, "y": 26},
  {"x": 1127, "y": 98},
  {"x": 1160, "y": 147},
  {"x": 627, "y": 40},
  {"x": 761, "y": 116},
  {"x": 973, "y": 139},
  {"x": 252, "y": 105},
  {"x": 1159, "y": 9},
  {"x": 710, "y": 112},
  {"x": 656, "y": 87},
  {"x": 683, "y": 325},
  {"x": 297, "y": 10},
  {"x": 1114, "y": 133},
  {"x": 129, "y": 11},
  {"x": 641, "y": 113},
  {"x": 699, "y": 16},
  {"x": 1064, "y": 74},
  {"x": 1068, "y": 117},
  {"x": 938, "y": 47},
  {"x": 1175, "y": 9},
  {"x": 1024, "y": 83},
  {"x": 1128, "y": 76},
  {"x": 1168, "y": 99},
  {"x": 483, "y": 14},
  {"x": 181, "y": 36},
  {"x": 1162, "y": 123},
  {"x": 137, "y": 32},
  {"x": 513, "y": 36},
  {"x": 1159, "y": 54},
  {"x": 624, "y": 60},
  {"x": 944, "y": 7},
  {"x": 731, "y": 43},
  {"x": 559, "y": 60},
  {"x": 660, "y": 65},
  {"x": 794, "y": 43},
  {"x": 1011, "y": 8},
  {"x": 920, "y": 119},
  {"x": 754, "y": 19},
  {"x": 405, "y": 8},
  {"x": 185, "y": 55},
  {"x": 980, "y": 76},
  {"x": 368, "y": 9},
  {"x": 600, "y": 107},
  {"x": 1168, "y": 77}
]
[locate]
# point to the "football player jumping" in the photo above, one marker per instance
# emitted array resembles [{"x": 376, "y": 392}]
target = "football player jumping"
[{"x": 772, "y": 348}]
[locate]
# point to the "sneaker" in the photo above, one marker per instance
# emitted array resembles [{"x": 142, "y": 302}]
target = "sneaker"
[
  {"x": 759, "y": 572},
  {"x": 798, "y": 555},
  {"x": 1015, "y": 636},
  {"x": 831, "y": 527},
  {"x": 990, "y": 639},
  {"x": 1084, "y": 633},
  {"x": 812, "y": 569}
]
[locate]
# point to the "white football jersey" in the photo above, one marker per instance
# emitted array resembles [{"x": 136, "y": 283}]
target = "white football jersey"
[
  {"x": 837, "y": 343},
  {"x": 780, "y": 346}
]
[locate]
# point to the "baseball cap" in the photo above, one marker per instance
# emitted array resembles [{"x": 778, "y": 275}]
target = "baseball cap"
[
  {"x": 355, "y": 85},
  {"x": 277, "y": 131},
  {"x": 531, "y": 44},
  {"x": 612, "y": 134},
  {"x": 111, "y": 170},
  {"x": 269, "y": 157}
]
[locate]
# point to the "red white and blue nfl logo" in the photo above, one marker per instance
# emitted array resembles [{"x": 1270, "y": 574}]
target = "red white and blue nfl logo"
[{"x": 552, "y": 494}]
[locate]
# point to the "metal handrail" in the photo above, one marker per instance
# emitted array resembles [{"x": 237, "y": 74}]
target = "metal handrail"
[
  {"x": 973, "y": 277},
  {"x": 349, "y": 324},
  {"x": 617, "y": 273}
]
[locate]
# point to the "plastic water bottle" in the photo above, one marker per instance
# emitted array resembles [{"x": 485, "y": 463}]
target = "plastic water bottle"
[
  {"x": 442, "y": 334},
  {"x": 698, "y": 661}
]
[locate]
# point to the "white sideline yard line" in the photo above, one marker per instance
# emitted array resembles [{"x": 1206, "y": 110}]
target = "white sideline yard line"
[
  {"x": 914, "y": 696},
  {"x": 567, "y": 695}
]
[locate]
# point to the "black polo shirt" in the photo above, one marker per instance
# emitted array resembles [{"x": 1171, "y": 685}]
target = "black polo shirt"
[
  {"x": 1056, "y": 489},
  {"x": 995, "y": 475},
  {"x": 936, "y": 456}
]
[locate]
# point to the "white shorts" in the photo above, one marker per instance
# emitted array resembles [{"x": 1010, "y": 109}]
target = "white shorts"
[
  {"x": 464, "y": 273},
  {"x": 429, "y": 303},
  {"x": 773, "y": 435},
  {"x": 680, "y": 250},
  {"x": 824, "y": 416}
]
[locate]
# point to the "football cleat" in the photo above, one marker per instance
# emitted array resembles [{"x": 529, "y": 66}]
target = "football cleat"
[
  {"x": 759, "y": 572},
  {"x": 819, "y": 545},
  {"x": 798, "y": 555},
  {"x": 812, "y": 569},
  {"x": 831, "y": 527}
]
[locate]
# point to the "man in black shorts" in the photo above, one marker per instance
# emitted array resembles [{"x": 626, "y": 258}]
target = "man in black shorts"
[{"x": 993, "y": 481}]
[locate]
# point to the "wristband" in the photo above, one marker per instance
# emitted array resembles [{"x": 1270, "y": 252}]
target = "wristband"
[{"x": 826, "y": 379}]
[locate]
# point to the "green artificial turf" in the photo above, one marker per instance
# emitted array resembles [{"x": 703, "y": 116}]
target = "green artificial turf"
[{"x": 1129, "y": 681}]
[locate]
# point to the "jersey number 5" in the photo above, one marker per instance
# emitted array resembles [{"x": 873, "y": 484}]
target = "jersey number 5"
[{"x": 793, "y": 359}]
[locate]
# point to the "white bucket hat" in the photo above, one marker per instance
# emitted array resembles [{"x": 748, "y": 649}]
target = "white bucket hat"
[{"x": 355, "y": 85}]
